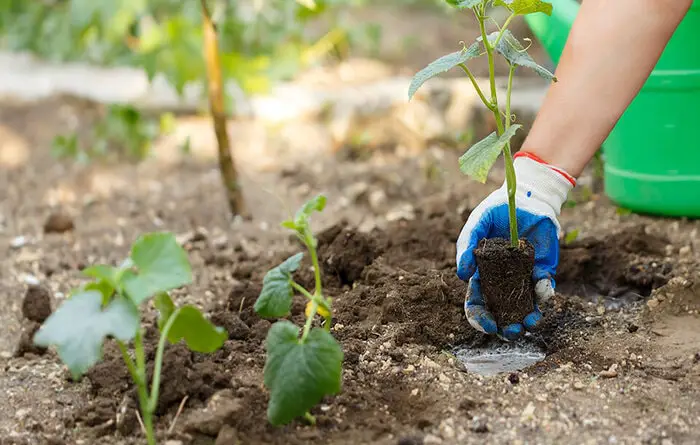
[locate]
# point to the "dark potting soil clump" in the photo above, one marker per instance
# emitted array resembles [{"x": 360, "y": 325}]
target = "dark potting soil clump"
[{"x": 506, "y": 279}]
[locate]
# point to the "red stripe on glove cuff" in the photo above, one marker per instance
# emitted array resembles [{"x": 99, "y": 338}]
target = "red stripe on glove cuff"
[{"x": 526, "y": 154}]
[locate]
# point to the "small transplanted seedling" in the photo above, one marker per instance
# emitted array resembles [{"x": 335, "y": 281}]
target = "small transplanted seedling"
[
  {"x": 123, "y": 132},
  {"x": 109, "y": 306},
  {"x": 299, "y": 370},
  {"x": 477, "y": 161}
]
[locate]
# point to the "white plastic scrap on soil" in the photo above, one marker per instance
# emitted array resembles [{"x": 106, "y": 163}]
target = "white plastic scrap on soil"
[{"x": 504, "y": 358}]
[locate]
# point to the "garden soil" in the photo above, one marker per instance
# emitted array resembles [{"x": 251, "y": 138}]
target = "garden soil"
[{"x": 621, "y": 336}]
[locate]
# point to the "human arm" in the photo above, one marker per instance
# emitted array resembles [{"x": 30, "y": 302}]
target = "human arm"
[{"x": 610, "y": 52}]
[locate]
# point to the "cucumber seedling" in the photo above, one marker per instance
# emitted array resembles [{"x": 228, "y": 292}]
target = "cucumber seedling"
[
  {"x": 109, "y": 306},
  {"x": 299, "y": 370},
  {"x": 477, "y": 161}
]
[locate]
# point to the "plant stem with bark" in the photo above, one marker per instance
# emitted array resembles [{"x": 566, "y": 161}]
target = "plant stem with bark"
[{"x": 229, "y": 174}]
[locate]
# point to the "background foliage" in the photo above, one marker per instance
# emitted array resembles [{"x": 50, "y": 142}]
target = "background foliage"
[{"x": 261, "y": 41}]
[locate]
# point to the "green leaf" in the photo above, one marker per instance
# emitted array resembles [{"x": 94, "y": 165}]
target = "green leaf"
[
  {"x": 165, "y": 306},
  {"x": 78, "y": 328},
  {"x": 571, "y": 236},
  {"x": 101, "y": 272},
  {"x": 289, "y": 224},
  {"x": 299, "y": 375},
  {"x": 441, "y": 65},
  {"x": 479, "y": 159},
  {"x": 515, "y": 53},
  {"x": 161, "y": 265},
  {"x": 464, "y": 3},
  {"x": 65, "y": 146},
  {"x": 83, "y": 12},
  {"x": 314, "y": 204},
  {"x": 105, "y": 288},
  {"x": 524, "y": 7},
  {"x": 110, "y": 274},
  {"x": 199, "y": 334},
  {"x": 275, "y": 299},
  {"x": 309, "y": 4}
]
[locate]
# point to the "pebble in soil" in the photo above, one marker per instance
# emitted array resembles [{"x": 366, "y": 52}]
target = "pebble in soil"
[{"x": 58, "y": 223}]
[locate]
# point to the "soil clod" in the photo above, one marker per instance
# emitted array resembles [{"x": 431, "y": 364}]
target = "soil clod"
[
  {"x": 410, "y": 440},
  {"x": 58, "y": 223},
  {"x": 237, "y": 330},
  {"x": 227, "y": 435},
  {"x": 346, "y": 253},
  {"x": 479, "y": 425},
  {"x": 36, "y": 305},
  {"x": 222, "y": 408},
  {"x": 26, "y": 341},
  {"x": 506, "y": 279}
]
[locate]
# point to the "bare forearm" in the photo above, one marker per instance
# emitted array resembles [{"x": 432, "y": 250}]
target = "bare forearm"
[{"x": 611, "y": 50}]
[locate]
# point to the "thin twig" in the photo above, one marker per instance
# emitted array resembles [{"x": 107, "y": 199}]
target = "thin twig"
[
  {"x": 240, "y": 307},
  {"x": 138, "y": 417},
  {"x": 177, "y": 414}
]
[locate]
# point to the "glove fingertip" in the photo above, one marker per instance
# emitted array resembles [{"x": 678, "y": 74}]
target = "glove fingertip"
[
  {"x": 466, "y": 267},
  {"x": 544, "y": 289},
  {"x": 513, "y": 332},
  {"x": 482, "y": 321},
  {"x": 532, "y": 320}
]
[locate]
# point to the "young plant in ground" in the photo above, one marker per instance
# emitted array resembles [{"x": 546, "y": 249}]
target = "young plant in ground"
[
  {"x": 299, "y": 371},
  {"x": 109, "y": 306},
  {"x": 478, "y": 160},
  {"x": 123, "y": 132}
]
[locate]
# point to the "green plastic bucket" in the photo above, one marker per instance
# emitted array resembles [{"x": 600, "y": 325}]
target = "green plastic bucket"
[{"x": 652, "y": 156}]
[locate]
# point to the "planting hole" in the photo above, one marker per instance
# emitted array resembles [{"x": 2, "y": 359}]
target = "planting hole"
[{"x": 504, "y": 358}]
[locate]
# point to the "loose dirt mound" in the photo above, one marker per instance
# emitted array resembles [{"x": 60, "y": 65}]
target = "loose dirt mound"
[
  {"x": 345, "y": 253},
  {"x": 630, "y": 260}
]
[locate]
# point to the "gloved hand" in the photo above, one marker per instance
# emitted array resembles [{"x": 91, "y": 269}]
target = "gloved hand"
[{"x": 541, "y": 190}]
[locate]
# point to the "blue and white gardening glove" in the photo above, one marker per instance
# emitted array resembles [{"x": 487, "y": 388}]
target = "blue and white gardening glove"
[{"x": 541, "y": 189}]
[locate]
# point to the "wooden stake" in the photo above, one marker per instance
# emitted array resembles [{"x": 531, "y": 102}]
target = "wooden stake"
[{"x": 229, "y": 174}]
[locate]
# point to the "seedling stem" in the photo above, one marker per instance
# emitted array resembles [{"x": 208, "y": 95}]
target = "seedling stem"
[
  {"x": 510, "y": 170},
  {"x": 479, "y": 158},
  {"x": 493, "y": 106}
]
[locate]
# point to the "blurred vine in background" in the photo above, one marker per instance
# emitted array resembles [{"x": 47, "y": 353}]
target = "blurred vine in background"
[
  {"x": 123, "y": 132},
  {"x": 260, "y": 41}
]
